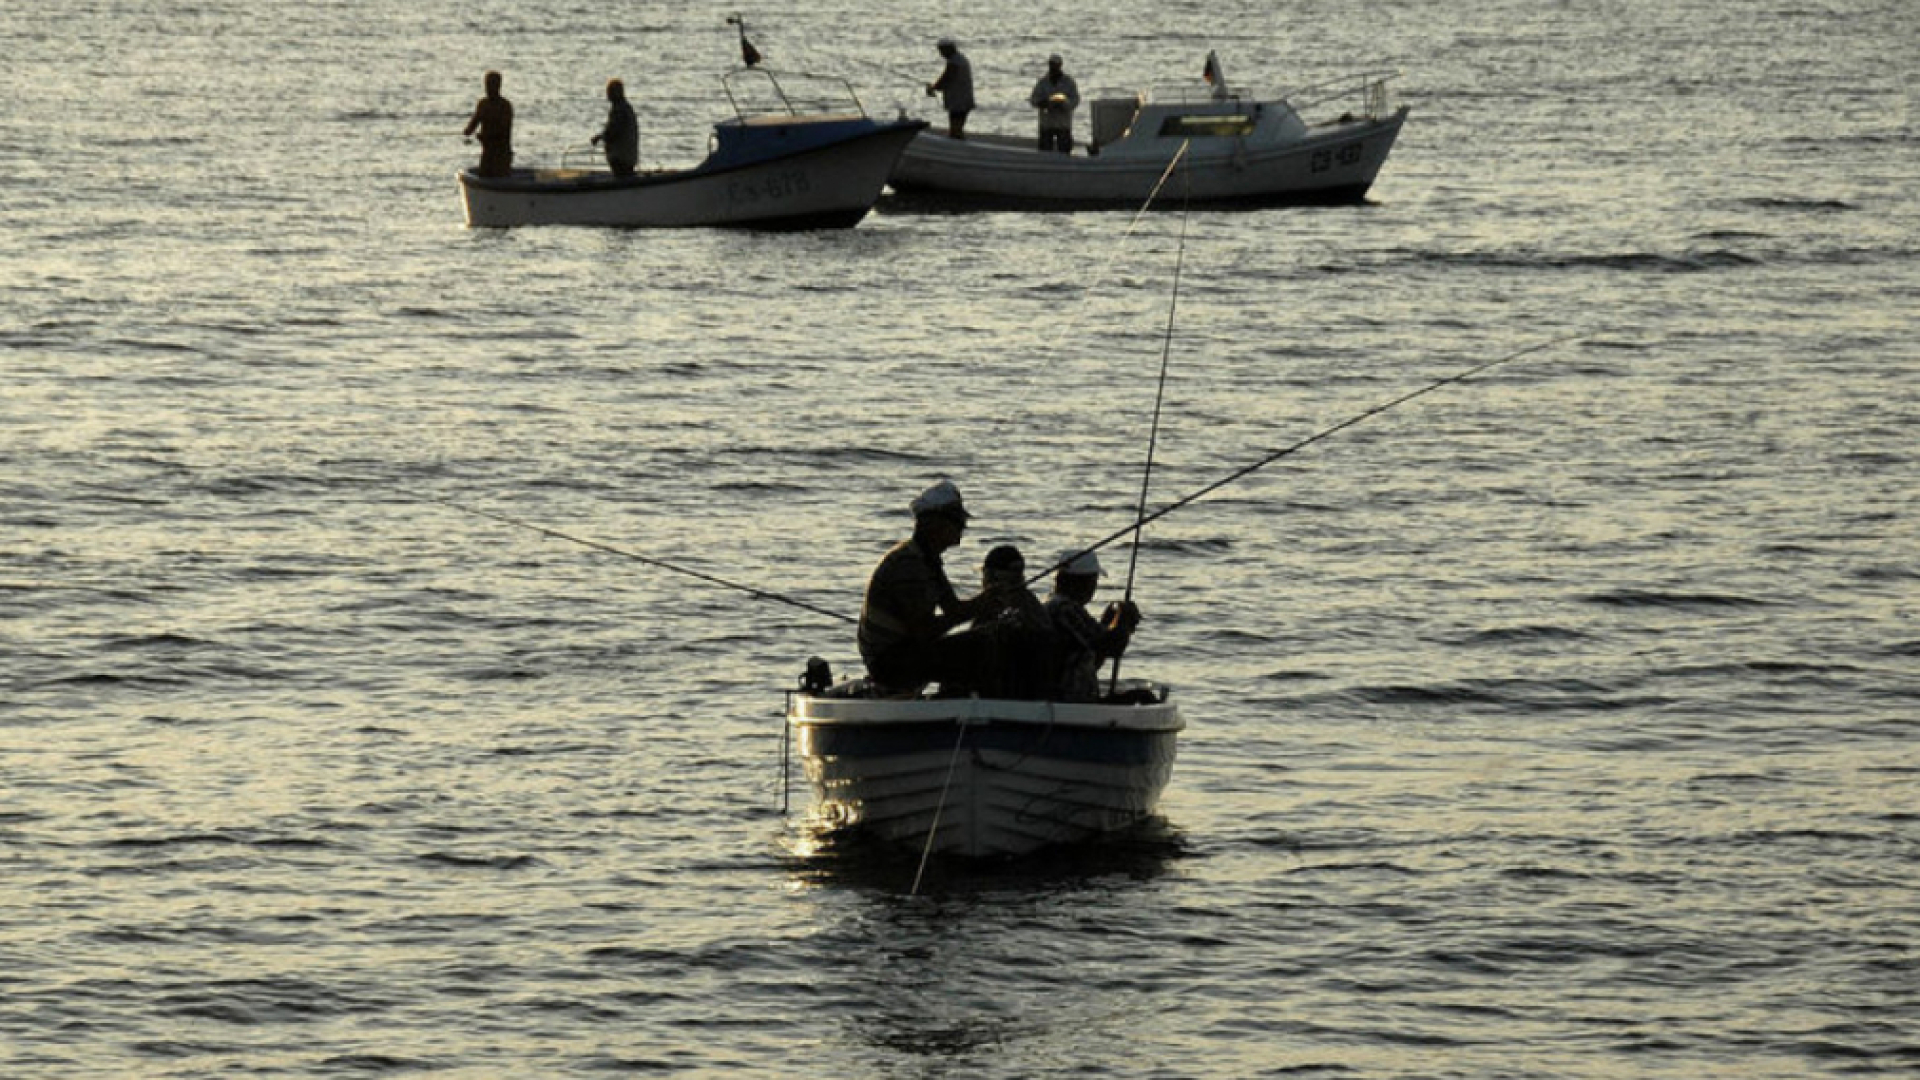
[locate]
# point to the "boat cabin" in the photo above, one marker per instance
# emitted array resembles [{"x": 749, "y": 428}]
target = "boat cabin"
[{"x": 1124, "y": 125}]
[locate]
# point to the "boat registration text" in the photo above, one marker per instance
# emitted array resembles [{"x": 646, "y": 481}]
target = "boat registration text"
[{"x": 771, "y": 187}]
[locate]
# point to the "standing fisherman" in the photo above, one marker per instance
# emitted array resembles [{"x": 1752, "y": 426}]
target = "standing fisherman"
[
  {"x": 493, "y": 119},
  {"x": 955, "y": 87},
  {"x": 1056, "y": 95},
  {"x": 621, "y": 133}
]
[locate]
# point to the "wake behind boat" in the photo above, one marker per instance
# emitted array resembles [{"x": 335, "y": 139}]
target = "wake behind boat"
[
  {"x": 983, "y": 777},
  {"x": 799, "y": 153},
  {"x": 1234, "y": 152}
]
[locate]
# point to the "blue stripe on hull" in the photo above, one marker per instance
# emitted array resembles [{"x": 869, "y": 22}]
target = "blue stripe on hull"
[{"x": 1103, "y": 746}]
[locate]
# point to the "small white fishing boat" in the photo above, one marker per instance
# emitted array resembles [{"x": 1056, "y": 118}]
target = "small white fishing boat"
[
  {"x": 982, "y": 777},
  {"x": 792, "y": 157},
  {"x": 1238, "y": 152}
]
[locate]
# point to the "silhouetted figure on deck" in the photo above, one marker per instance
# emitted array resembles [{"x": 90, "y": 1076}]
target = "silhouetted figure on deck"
[
  {"x": 1020, "y": 663},
  {"x": 1083, "y": 644},
  {"x": 621, "y": 135},
  {"x": 493, "y": 119},
  {"x": 1056, "y": 95},
  {"x": 910, "y": 607},
  {"x": 955, "y": 87}
]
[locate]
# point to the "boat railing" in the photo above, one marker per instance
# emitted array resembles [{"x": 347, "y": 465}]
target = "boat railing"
[
  {"x": 1368, "y": 89},
  {"x": 758, "y": 91}
]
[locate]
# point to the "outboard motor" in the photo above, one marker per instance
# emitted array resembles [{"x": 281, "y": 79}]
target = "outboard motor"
[{"x": 817, "y": 678}]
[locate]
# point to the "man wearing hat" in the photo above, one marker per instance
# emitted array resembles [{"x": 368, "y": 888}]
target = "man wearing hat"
[
  {"x": 911, "y": 605},
  {"x": 1082, "y": 644},
  {"x": 955, "y": 87},
  {"x": 1056, "y": 95}
]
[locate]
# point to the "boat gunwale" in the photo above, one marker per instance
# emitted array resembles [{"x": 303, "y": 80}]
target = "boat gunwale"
[
  {"x": 595, "y": 182},
  {"x": 804, "y": 710},
  {"x": 1004, "y": 151}
]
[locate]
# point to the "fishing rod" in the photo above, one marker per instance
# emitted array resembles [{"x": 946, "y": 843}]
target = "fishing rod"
[
  {"x": 1318, "y": 436},
  {"x": 1159, "y": 398},
  {"x": 757, "y": 593}
]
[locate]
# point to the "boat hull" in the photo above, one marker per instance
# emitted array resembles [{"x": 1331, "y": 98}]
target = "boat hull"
[
  {"x": 983, "y": 778},
  {"x": 1330, "y": 165},
  {"x": 830, "y": 185}
]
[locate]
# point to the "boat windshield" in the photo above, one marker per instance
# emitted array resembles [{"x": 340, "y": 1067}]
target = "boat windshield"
[
  {"x": 758, "y": 91},
  {"x": 1232, "y": 126}
]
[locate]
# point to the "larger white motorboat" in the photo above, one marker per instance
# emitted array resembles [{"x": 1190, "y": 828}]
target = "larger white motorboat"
[
  {"x": 799, "y": 153},
  {"x": 1232, "y": 151},
  {"x": 983, "y": 777}
]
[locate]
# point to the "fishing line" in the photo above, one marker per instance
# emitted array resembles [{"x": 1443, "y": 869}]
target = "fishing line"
[
  {"x": 1141, "y": 521},
  {"x": 1074, "y": 328},
  {"x": 757, "y": 593},
  {"x": 1317, "y": 436}
]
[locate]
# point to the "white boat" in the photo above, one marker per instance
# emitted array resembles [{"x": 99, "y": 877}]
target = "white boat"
[
  {"x": 795, "y": 161},
  {"x": 1238, "y": 152},
  {"x": 982, "y": 777}
]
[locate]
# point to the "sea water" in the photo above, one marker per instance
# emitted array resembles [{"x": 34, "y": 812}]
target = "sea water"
[{"x": 1559, "y": 722}]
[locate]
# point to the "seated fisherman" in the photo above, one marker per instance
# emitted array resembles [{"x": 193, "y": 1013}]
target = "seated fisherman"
[
  {"x": 1019, "y": 628},
  {"x": 910, "y": 606},
  {"x": 1081, "y": 643}
]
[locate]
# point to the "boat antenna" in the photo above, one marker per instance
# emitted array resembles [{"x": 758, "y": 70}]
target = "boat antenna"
[
  {"x": 1319, "y": 436},
  {"x": 757, "y": 593},
  {"x": 749, "y": 55},
  {"x": 1159, "y": 398}
]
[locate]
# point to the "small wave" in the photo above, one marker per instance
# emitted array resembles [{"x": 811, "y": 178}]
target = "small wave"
[
  {"x": 217, "y": 838},
  {"x": 1512, "y": 635},
  {"x": 1638, "y": 262},
  {"x": 1544, "y": 873},
  {"x": 1821, "y": 206},
  {"x": 379, "y": 1063},
  {"x": 760, "y": 487},
  {"x": 1654, "y": 598},
  {"x": 171, "y": 641},
  {"x": 1886, "y": 573},
  {"x": 1423, "y": 695},
  {"x": 480, "y": 862},
  {"x": 178, "y": 1048},
  {"x": 110, "y": 678}
]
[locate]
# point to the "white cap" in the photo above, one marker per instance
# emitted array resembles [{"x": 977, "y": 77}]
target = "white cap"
[
  {"x": 941, "y": 498},
  {"x": 1080, "y": 563}
]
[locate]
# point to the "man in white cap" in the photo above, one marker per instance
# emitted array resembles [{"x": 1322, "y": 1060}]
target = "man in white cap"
[
  {"x": 910, "y": 606},
  {"x": 1082, "y": 644},
  {"x": 1056, "y": 95},
  {"x": 955, "y": 87}
]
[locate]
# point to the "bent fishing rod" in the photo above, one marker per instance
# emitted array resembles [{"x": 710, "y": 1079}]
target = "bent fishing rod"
[
  {"x": 1323, "y": 434},
  {"x": 757, "y": 593}
]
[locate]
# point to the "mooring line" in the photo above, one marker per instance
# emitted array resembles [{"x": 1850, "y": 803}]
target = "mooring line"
[{"x": 933, "y": 830}]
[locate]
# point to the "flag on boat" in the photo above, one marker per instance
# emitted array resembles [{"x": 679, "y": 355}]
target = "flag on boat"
[
  {"x": 1214, "y": 76},
  {"x": 749, "y": 55}
]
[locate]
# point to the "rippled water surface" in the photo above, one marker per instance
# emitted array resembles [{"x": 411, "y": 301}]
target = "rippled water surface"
[{"x": 1560, "y": 722}]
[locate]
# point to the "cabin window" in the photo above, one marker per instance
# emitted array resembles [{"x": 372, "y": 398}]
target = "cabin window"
[{"x": 1237, "y": 126}]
